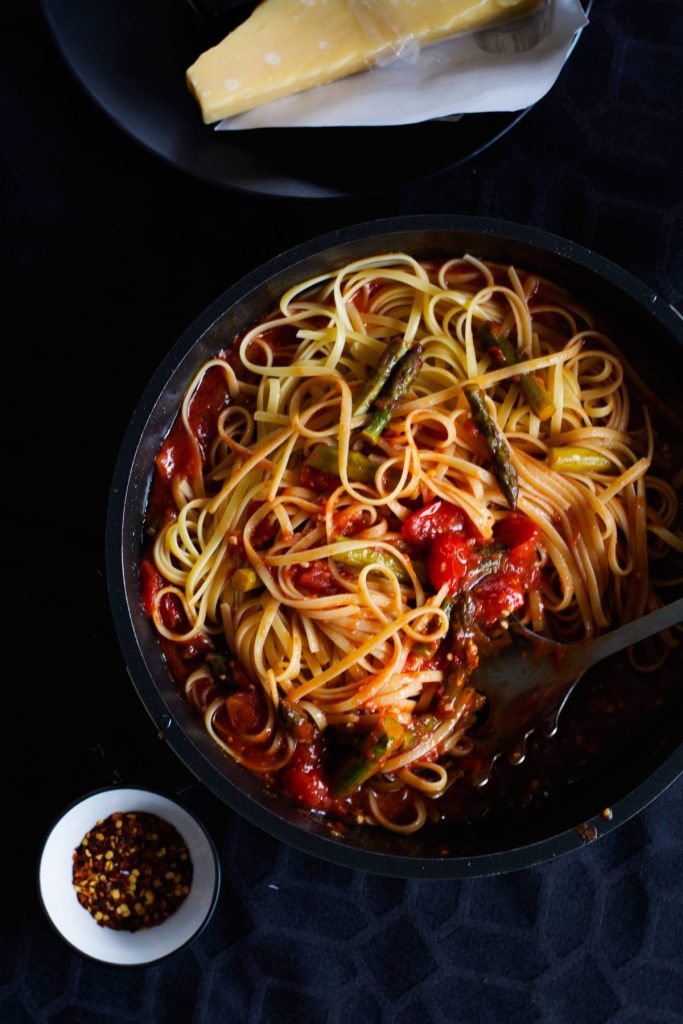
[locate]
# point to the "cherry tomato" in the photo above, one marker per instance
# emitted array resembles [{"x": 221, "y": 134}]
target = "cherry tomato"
[
  {"x": 497, "y": 597},
  {"x": 522, "y": 562},
  {"x": 447, "y": 562},
  {"x": 303, "y": 779},
  {"x": 433, "y": 520},
  {"x": 515, "y": 529},
  {"x": 503, "y": 593}
]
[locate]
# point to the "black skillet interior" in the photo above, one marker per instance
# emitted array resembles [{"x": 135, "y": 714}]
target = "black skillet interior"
[{"x": 631, "y": 769}]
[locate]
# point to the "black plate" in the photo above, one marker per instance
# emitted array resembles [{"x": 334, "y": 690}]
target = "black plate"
[
  {"x": 131, "y": 56},
  {"x": 633, "y": 773}
]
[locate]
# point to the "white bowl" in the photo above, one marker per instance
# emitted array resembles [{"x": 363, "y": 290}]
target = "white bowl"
[{"x": 76, "y": 924}]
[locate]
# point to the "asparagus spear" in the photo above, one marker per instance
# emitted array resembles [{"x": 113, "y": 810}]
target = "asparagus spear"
[
  {"x": 358, "y": 558},
  {"x": 370, "y": 389},
  {"x": 494, "y": 341},
  {"x": 570, "y": 459},
  {"x": 325, "y": 458},
  {"x": 503, "y": 468},
  {"x": 382, "y": 742},
  {"x": 402, "y": 377},
  {"x": 491, "y": 556}
]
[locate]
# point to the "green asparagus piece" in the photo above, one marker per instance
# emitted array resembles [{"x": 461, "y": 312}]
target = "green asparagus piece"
[
  {"x": 504, "y": 354},
  {"x": 370, "y": 389},
  {"x": 418, "y": 728},
  {"x": 245, "y": 579},
  {"x": 382, "y": 742},
  {"x": 325, "y": 458},
  {"x": 296, "y": 721},
  {"x": 401, "y": 378},
  {"x": 358, "y": 558},
  {"x": 503, "y": 468},
  {"x": 491, "y": 556},
  {"x": 570, "y": 459}
]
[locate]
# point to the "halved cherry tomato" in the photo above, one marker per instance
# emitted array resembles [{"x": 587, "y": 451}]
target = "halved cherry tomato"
[
  {"x": 447, "y": 562},
  {"x": 522, "y": 562},
  {"x": 515, "y": 529},
  {"x": 303, "y": 778},
  {"x": 499, "y": 595},
  {"x": 433, "y": 520}
]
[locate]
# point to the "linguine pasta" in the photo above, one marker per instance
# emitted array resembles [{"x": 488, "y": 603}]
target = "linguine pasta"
[{"x": 286, "y": 534}]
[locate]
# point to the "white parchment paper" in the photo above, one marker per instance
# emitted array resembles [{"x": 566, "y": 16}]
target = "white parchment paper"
[{"x": 504, "y": 68}]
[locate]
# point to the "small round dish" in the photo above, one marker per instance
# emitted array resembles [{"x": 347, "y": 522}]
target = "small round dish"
[{"x": 75, "y": 924}]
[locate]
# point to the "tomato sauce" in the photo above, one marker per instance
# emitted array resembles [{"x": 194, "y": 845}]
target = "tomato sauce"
[
  {"x": 597, "y": 721},
  {"x": 316, "y": 578},
  {"x": 178, "y": 455}
]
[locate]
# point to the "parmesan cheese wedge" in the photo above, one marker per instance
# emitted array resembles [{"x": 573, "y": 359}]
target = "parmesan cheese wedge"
[{"x": 288, "y": 46}]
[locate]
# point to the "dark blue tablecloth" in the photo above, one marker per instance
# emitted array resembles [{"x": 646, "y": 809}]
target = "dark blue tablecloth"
[
  {"x": 109, "y": 254},
  {"x": 591, "y": 938}
]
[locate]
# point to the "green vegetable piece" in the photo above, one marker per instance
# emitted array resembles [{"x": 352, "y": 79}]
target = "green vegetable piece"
[
  {"x": 400, "y": 381},
  {"x": 575, "y": 459},
  {"x": 504, "y": 354},
  {"x": 325, "y": 458},
  {"x": 503, "y": 467},
  {"x": 490, "y": 559},
  {"x": 369, "y": 390},
  {"x": 358, "y": 558},
  {"x": 383, "y": 741},
  {"x": 245, "y": 579}
]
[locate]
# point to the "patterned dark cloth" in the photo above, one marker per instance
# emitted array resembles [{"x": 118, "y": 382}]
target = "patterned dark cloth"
[
  {"x": 110, "y": 254},
  {"x": 591, "y": 938}
]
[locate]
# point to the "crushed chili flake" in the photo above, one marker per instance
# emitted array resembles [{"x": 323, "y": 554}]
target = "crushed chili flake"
[{"x": 132, "y": 870}]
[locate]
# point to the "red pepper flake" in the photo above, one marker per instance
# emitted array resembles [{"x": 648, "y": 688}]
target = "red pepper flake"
[
  {"x": 132, "y": 870},
  {"x": 587, "y": 833}
]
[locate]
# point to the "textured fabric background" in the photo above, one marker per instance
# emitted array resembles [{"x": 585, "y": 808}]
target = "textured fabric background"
[{"x": 109, "y": 254}]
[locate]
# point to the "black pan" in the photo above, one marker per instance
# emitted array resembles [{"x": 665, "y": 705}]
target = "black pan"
[{"x": 636, "y": 767}]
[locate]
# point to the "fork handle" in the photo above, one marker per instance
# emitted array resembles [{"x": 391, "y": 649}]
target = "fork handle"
[{"x": 633, "y": 632}]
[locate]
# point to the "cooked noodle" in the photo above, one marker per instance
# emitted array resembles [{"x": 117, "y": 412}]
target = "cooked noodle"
[{"x": 341, "y": 655}]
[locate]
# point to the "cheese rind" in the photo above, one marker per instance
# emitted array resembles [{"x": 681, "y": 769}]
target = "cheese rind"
[{"x": 288, "y": 46}]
